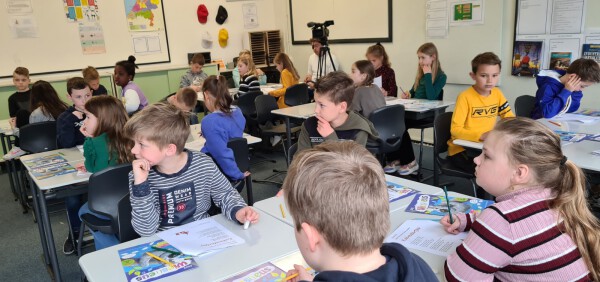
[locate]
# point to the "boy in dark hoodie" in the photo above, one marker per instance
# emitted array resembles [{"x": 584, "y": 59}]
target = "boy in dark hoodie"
[
  {"x": 336, "y": 193},
  {"x": 560, "y": 91},
  {"x": 333, "y": 118}
]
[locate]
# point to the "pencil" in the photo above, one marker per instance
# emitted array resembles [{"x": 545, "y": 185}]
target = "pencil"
[
  {"x": 555, "y": 123},
  {"x": 166, "y": 250},
  {"x": 448, "y": 203},
  {"x": 282, "y": 212},
  {"x": 291, "y": 277},
  {"x": 160, "y": 259}
]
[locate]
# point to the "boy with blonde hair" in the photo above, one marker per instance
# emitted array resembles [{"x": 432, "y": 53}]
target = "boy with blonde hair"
[
  {"x": 169, "y": 185},
  {"x": 333, "y": 118},
  {"x": 477, "y": 109},
  {"x": 92, "y": 78},
  {"x": 336, "y": 193}
]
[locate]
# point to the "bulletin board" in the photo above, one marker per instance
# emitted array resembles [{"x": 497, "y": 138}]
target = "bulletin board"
[
  {"x": 44, "y": 36},
  {"x": 354, "y": 21}
]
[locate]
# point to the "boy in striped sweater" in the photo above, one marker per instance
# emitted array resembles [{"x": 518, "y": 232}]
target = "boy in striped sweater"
[
  {"x": 540, "y": 228},
  {"x": 171, "y": 186}
]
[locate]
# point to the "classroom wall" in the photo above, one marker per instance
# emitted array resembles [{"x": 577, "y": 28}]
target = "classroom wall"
[{"x": 409, "y": 34}]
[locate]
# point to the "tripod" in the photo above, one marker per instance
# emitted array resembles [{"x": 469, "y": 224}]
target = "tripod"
[{"x": 322, "y": 66}]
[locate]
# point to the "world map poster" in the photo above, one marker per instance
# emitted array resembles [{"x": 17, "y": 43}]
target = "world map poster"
[{"x": 143, "y": 15}]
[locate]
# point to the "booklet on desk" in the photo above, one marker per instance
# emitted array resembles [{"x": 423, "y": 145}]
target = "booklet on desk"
[
  {"x": 397, "y": 192},
  {"x": 273, "y": 271},
  {"x": 140, "y": 266},
  {"x": 427, "y": 236},
  {"x": 436, "y": 204},
  {"x": 49, "y": 166}
]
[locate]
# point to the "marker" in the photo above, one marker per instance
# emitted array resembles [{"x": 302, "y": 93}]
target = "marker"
[
  {"x": 166, "y": 250},
  {"x": 448, "y": 203},
  {"x": 555, "y": 123},
  {"x": 160, "y": 259},
  {"x": 246, "y": 224},
  {"x": 282, "y": 212},
  {"x": 291, "y": 277}
]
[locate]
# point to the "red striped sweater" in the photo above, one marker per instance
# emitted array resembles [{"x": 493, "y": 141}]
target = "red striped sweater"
[{"x": 516, "y": 239}]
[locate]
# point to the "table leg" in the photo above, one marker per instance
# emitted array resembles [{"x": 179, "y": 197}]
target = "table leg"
[
  {"x": 36, "y": 211},
  {"x": 436, "y": 176},
  {"x": 45, "y": 218},
  {"x": 11, "y": 180},
  {"x": 288, "y": 133}
]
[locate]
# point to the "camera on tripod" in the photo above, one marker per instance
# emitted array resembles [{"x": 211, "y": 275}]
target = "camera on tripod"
[{"x": 320, "y": 30}]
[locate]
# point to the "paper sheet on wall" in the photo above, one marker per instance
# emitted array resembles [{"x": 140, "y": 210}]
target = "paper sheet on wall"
[
  {"x": 23, "y": 27},
  {"x": 466, "y": 12},
  {"x": 436, "y": 15},
  {"x": 18, "y": 7},
  {"x": 91, "y": 38},
  {"x": 200, "y": 236},
  {"x": 146, "y": 43},
  {"x": 425, "y": 235},
  {"x": 250, "y": 13},
  {"x": 77, "y": 11}
]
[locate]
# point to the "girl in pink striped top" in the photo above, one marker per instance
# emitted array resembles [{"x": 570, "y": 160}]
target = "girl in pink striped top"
[{"x": 540, "y": 228}]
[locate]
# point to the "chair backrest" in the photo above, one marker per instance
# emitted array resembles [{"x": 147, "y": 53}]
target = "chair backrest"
[
  {"x": 125, "y": 231},
  {"x": 291, "y": 152},
  {"x": 239, "y": 146},
  {"x": 524, "y": 105},
  {"x": 38, "y": 137},
  {"x": 389, "y": 123},
  {"x": 106, "y": 189},
  {"x": 296, "y": 95},
  {"x": 441, "y": 133},
  {"x": 246, "y": 103},
  {"x": 264, "y": 105}
]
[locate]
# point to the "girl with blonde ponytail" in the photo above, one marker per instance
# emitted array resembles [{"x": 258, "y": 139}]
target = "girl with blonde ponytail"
[{"x": 541, "y": 227}]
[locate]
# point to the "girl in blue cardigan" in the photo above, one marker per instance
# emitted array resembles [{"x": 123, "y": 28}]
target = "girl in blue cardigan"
[{"x": 223, "y": 123}]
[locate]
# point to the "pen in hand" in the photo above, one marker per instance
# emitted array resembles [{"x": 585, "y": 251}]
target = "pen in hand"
[{"x": 448, "y": 203}]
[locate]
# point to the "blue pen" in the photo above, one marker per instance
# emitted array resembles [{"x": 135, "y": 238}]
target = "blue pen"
[{"x": 448, "y": 203}]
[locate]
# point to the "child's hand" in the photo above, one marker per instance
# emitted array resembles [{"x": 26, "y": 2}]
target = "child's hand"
[
  {"x": 405, "y": 95},
  {"x": 385, "y": 93},
  {"x": 13, "y": 122},
  {"x": 196, "y": 88},
  {"x": 141, "y": 168},
  {"x": 302, "y": 274},
  {"x": 308, "y": 78},
  {"x": 247, "y": 173},
  {"x": 80, "y": 167},
  {"x": 323, "y": 127},
  {"x": 78, "y": 114},
  {"x": 245, "y": 214},
  {"x": 426, "y": 68},
  {"x": 84, "y": 131},
  {"x": 574, "y": 83},
  {"x": 450, "y": 228},
  {"x": 279, "y": 193}
]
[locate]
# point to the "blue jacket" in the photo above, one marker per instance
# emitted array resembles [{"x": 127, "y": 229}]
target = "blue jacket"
[
  {"x": 217, "y": 129},
  {"x": 67, "y": 129},
  {"x": 401, "y": 265},
  {"x": 551, "y": 96}
]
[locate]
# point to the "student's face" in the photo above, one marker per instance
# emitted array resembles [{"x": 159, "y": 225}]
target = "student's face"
[
  {"x": 21, "y": 82},
  {"x": 94, "y": 84},
  {"x": 494, "y": 172},
  {"x": 79, "y": 97},
  {"x": 242, "y": 68},
  {"x": 424, "y": 59},
  {"x": 148, "y": 150},
  {"x": 196, "y": 68},
  {"x": 279, "y": 66},
  {"x": 486, "y": 78},
  {"x": 209, "y": 101},
  {"x": 90, "y": 122},
  {"x": 316, "y": 47},
  {"x": 328, "y": 110},
  {"x": 376, "y": 61},
  {"x": 356, "y": 76},
  {"x": 121, "y": 77}
]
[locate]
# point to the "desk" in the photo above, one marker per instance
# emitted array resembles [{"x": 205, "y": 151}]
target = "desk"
[
  {"x": 267, "y": 240},
  {"x": 6, "y": 132},
  {"x": 264, "y": 88},
  {"x": 195, "y": 142},
  {"x": 271, "y": 207}
]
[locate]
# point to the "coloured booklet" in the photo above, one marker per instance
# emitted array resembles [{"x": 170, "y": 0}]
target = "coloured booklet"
[
  {"x": 436, "y": 205},
  {"x": 138, "y": 265},
  {"x": 527, "y": 56},
  {"x": 589, "y": 112},
  {"x": 397, "y": 192},
  {"x": 572, "y": 136},
  {"x": 48, "y": 166},
  {"x": 274, "y": 271}
]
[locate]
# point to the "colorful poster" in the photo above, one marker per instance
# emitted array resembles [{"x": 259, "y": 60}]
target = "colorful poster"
[
  {"x": 153, "y": 261},
  {"x": 560, "y": 60},
  {"x": 81, "y": 10},
  {"x": 436, "y": 204},
  {"x": 526, "y": 58},
  {"x": 591, "y": 51},
  {"x": 397, "y": 192},
  {"x": 91, "y": 38},
  {"x": 143, "y": 15}
]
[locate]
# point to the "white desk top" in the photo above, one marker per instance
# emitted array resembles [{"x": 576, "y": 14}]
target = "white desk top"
[
  {"x": 468, "y": 144},
  {"x": 5, "y": 127},
  {"x": 271, "y": 205},
  {"x": 302, "y": 111},
  {"x": 195, "y": 142},
  {"x": 267, "y": 240}
]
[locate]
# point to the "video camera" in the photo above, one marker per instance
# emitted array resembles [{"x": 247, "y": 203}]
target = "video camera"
[{"x": 320, "y": 30}]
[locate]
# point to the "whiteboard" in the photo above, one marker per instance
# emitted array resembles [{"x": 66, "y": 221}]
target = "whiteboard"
[
  {"x": 465, "y": 42},
  {"x": 355, "y": 21},
  {"x": 58, "y": 48}
]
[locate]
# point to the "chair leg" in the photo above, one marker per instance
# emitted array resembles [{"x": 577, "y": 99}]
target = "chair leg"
[
  {"x": 249, "y": 193},
  {"x": 80, "y": 239},
  {"x": 421, "y": 151}
]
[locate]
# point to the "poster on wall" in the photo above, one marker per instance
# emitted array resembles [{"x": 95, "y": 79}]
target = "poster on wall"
[
  {"x": 526, "y": 58},
  {"x": 81, "y": 10},
  {"x": 250, "y": 15},
  {"x": 23, "y": 27},
  {"x": 591, "y": 51},
  {"x": 91, "y": 38},
  {"x": 143, "y": 15},
  {"x": 466, "y": 12},
  {"x": 19, "y": 7}
]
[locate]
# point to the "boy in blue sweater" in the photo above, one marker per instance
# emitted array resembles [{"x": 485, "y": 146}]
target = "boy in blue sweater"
[
  {"x": 336, "y": 193},
  {"x": 68, "y": 123},
  {"x": 559, "y": 92}
]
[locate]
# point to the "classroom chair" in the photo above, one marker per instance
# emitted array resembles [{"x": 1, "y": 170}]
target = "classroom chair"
[
  {"x": 291, "y": 152},
  {"x": 108, "y": 195},
  {"x": 296, "y": 95},
  {"x": 524, "y": 105},
  {"x": 422, "y": 125},
  {"x": 239, "y": 146},
  {"x": 389, "y": 123},
  {"x": 248, "y": 108},
  {"x": 441, "y": 135}
]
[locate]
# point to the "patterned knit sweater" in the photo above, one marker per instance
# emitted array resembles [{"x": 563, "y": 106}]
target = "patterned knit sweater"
[{"x": 517, "y": 239}]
